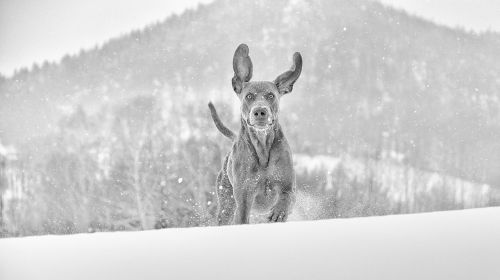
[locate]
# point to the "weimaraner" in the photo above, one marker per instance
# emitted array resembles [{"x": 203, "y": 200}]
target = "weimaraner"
[{"x": 257, "y": 173}]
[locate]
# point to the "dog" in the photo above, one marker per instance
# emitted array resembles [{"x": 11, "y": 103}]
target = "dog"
[{"x": 257, "y": 174}]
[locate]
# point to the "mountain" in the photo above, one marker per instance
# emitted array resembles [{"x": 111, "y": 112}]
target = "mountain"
[{"x": 374, "y": 79}]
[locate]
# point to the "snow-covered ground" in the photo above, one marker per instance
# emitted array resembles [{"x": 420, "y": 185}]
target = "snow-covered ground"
[{"x": 442, "y": 245}]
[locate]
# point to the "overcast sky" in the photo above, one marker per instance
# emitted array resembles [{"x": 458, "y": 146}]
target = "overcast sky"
[
  {"x": 478, "y": 15},
  {"x": 38, "y": 30}
]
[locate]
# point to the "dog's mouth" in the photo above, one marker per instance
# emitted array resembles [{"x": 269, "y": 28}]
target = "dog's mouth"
[{"x": 261, "y": 123}]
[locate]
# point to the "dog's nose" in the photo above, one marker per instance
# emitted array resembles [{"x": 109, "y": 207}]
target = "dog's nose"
[{"x": 260, "y": 112}]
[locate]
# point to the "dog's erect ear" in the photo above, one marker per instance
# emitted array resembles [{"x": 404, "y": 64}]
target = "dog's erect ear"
[
  {"x": 285, "y": 81},
  {"x": 242, "y": 66}
]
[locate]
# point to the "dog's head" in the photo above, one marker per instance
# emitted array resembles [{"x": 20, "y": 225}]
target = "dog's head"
[{"x": 260, "y": 100}]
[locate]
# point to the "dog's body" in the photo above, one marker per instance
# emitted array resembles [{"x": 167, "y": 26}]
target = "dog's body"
[{"x": 257, "y": 173}]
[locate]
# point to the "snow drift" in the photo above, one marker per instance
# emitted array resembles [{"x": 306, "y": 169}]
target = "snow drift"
[{"x": 441, "y": 245}]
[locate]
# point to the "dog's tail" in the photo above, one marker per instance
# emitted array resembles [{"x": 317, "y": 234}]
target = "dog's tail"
[{"x": 220, "y": 126}]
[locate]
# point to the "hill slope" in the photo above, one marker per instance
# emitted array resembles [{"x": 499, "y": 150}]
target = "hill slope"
[{"x": 442, "y": 245}]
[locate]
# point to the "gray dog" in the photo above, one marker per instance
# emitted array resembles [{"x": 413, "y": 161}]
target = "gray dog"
[{"x": 257, "y": 173}]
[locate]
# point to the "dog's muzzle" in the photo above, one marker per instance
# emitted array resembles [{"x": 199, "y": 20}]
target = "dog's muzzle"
[{"x": 261, "y": 117}]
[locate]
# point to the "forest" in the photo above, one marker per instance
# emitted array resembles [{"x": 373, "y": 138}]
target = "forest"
[{"x": 392, "y": 114}]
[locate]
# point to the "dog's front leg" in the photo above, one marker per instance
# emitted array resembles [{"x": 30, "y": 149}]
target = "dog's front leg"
[
  {"x": 244, "y": 200},
  {"x": 280, "y": 211}
]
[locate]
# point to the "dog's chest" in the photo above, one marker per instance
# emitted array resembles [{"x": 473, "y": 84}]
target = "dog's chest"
[{"x": 245, "y": 169}]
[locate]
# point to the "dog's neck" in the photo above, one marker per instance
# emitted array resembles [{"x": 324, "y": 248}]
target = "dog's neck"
[{"x": 260, "y": 141}]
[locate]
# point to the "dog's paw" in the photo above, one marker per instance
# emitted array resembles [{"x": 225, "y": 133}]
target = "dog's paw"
[{"x": 279, "y": 213}]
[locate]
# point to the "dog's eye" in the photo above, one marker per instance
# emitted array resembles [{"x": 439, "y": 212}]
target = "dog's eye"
[
  {"x": 270, "y": 96},
  {"x": 249, "y": 96}
]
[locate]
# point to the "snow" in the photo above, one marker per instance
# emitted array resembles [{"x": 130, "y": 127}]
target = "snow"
[
  {"x": 400, "y": 182},
  {"x": 441, "y": 245}
]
